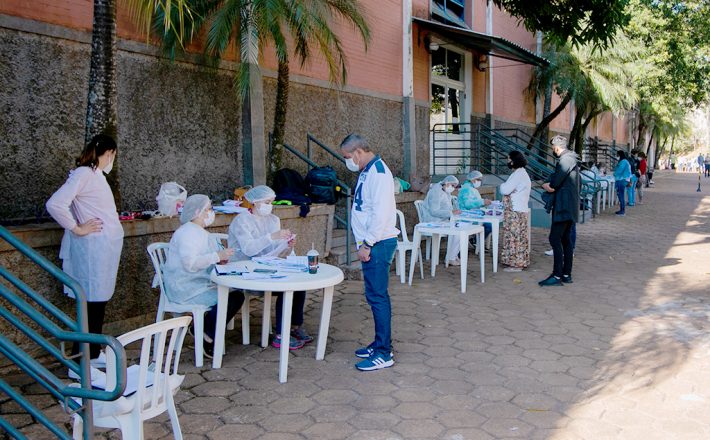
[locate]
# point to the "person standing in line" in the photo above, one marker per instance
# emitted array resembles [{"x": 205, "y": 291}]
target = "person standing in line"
[
  {"x": 516, "y": 195},
  {"x": 622, "y": 175},
  {"x": 643, "y": 176},
  {"x": 93, "y": 236},
  {"x": 564, "y": 184},
  {"x": 707, "y": 165},
  {"x": 373, "y": 225},
  {"x": 701, "y": 162},
  {"x": 631, "y": 189}
]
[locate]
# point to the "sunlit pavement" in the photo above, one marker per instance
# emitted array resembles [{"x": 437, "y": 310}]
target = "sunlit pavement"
[{"x": 623, "y": 353}]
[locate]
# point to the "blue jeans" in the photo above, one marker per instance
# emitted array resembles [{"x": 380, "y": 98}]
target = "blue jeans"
[
  {"x": 376, "y": 273},
  {"x": 620, "y": 193},
  {"x": 299, "y": 300},
  {"x": 631, "y": 190}
]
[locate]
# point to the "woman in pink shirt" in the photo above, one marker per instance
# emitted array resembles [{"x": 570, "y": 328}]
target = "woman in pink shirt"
[{"x": 93, "y": 236}]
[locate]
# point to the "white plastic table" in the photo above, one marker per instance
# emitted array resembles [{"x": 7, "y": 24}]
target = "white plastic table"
[
  {"x": 463, "y": 230},
  {"x": 494, "y": 221},
  {"x": 327, "y": 278}
]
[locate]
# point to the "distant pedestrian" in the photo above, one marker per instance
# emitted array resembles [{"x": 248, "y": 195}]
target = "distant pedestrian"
[
  {"x": 622, "y": 175},
  {"x": 564, "y": 184},
  {"x": 701, "y": 162},
  {"x": 373, "y": 225},
  {"x": 643, "y": 176},
  {"x": 631, "y": 189},
  {"x": 707, "y": 165}
]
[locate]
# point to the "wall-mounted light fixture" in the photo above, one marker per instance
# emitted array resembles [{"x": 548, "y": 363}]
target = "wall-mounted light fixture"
[
  {"x": 430, "y": 46},
  {"x": 481, "y": 62}
]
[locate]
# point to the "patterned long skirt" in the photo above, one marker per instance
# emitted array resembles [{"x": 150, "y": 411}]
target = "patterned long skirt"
[{"x": 515, "y": 251}]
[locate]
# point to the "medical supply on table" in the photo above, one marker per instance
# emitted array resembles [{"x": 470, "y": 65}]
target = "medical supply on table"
[{"x": 312, "y": 260}]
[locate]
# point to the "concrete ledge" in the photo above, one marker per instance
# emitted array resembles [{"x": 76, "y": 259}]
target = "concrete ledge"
[{"x": 134, "y": 302}]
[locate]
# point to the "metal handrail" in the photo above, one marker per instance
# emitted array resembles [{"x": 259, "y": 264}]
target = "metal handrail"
[
  {"x": 344, "y": 188},
  {"x": 77, "y": 333}
]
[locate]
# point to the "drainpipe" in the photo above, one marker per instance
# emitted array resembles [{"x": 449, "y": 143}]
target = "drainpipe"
[
  {"x": 489, "y": 72},
  {"x": 409, "y": 134},
  {"x": 539, "y": 102}
]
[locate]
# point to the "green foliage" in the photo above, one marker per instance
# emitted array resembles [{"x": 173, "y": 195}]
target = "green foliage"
[{"x": 595, "y": 22}]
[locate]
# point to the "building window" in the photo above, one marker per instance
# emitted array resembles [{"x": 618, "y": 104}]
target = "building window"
[
  {"x": 450, "y": 11},
  {"x": 447, "y": 63}
]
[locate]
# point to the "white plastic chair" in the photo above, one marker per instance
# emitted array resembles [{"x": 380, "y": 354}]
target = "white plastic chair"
[
  {"x": 155, "y": 386},
  {"x": 419, "y": 205},
  {"x": 403, "y": 247},
  {"x": 222, "y": 239},
  {"x": 158, "y": 255}
]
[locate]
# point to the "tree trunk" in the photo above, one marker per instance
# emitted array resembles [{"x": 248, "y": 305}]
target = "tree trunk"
[
  {"x": 542, "y": 126},
  {"x": 659, "y": 150},
  {"x": 583, "y": 129},
  {"x": 276, "y": 156},
  {"x": 546, "y": 108},
  {"x": 101, "y": 113},
  {"x": 575, "y": 130},
  {"x": 642, "y": 129},
  {"x": 650, "y": 142}
]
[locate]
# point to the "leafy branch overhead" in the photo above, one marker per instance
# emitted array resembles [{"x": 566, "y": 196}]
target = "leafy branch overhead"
[{"x": 575, "y": 21}]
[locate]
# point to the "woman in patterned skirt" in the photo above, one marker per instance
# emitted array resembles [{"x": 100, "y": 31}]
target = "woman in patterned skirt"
[{"x": 516, "y": 194}]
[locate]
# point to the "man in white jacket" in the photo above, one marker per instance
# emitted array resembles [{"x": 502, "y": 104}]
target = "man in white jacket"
[{"x": 373, "y": 225}]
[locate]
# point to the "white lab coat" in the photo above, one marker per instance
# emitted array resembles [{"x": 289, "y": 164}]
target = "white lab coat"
[
  {"x": 438, "y": 207},
  {"x": 250, "y": 236},
  {"x": 438, "y": 204},
  {"x": 92, "y": 259},
  {"x": 192, "y": 255}
]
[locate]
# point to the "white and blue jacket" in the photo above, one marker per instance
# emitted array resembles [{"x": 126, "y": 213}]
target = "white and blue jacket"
[{"x": 373, "y": 215}]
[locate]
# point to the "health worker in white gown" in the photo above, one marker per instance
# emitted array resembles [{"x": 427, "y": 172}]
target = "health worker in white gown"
[
  {"x": 258, "y": 233},
  {"x": 438, "y": 207},
  {"x": 93, "y": 236},
  {"x": 192, "y": 254}
]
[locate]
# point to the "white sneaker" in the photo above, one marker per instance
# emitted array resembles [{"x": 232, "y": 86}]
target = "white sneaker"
[
  {"x": 550, "y": 253},
  {"x": 455, "y": 262}
]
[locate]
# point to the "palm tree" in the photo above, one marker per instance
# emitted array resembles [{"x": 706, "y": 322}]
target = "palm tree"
[
  {"x": 251, "y": 24},
  {"x": 101, "y": 113}
]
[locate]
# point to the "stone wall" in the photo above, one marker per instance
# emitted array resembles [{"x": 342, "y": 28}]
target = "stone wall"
[
  {"x": 134, "y": 303},
  {"x": 176, "y": 122}
]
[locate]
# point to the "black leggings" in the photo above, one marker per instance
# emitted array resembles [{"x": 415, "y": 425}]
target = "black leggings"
[{"x": 95, "y": 312}]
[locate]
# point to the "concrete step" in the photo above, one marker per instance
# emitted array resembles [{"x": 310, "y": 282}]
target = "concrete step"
[
  {"x": 339, "y": 238},
  {"x": 338, "y": 255}
]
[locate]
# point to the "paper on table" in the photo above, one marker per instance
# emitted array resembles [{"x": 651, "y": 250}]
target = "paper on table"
[
  {"x": 230, "y": 209},
  {"x": 230, "y": 269},
  {"x": 261, "y": 276}
]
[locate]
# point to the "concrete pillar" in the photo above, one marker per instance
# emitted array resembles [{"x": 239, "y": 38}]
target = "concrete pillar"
[
  {"x": 489, "y": 71},
  {"x": 409, "y": 133}
]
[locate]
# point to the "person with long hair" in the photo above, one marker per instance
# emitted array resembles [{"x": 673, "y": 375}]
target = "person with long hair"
[
  {"x": 93, "y": 236},
  {"x": 516, "y": 195}
]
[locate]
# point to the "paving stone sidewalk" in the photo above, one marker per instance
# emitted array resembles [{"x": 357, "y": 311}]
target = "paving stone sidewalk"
[{"x": 623, "y": 353}]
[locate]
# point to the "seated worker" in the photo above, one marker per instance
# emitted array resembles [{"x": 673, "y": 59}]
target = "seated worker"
[
  {"x": 258, "y": 233},
  {"x": 470, "y": 198},
  {"x": 438, "y": 207},
  {"x": 192, "y": 255}
]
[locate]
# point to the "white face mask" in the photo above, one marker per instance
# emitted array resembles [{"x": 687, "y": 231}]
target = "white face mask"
[
  {"x": 264, "y": 209},
  {"x": 107, "y": 169},
  {"x": 449, "y": 189},
  {"x": 210, "y": 218},
  {"x": 352, "y": 166},
  {"x": 477, "y": 184}
]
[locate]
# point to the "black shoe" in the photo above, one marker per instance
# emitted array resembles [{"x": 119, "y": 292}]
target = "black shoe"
[
  {"x": 551, "y": 281},
  {"x": 208, "y": 349},
  {"x": 567, "y": 279}
]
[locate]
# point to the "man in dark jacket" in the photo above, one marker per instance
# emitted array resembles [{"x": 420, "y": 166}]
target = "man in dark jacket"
[{"x": 564, "y": 183}]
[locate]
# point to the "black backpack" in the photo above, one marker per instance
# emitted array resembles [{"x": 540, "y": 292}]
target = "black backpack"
[
  {"x": 322, "y": 182},
  {"x": 289, "y": 185}
]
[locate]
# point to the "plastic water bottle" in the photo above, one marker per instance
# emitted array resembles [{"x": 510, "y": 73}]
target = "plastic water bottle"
[{"x": 312, "y": 259}]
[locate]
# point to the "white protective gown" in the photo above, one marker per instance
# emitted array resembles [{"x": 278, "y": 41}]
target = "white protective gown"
[
  {"x": 438, "y": 207},
  {"x": 94, "y": 258},
  {"x": 250, "y": 236},
  {"x": 191, "y": 257}
]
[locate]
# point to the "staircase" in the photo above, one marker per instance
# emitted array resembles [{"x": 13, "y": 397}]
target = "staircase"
[{"x": 48, "y": 329}]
